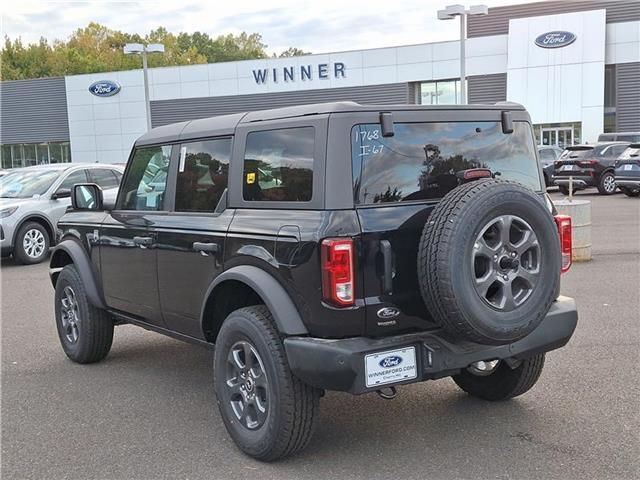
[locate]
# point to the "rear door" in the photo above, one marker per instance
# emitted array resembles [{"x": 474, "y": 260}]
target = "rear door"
[
  {"x": 191, "y": 237},
  {"x": 398, "y": 181}
]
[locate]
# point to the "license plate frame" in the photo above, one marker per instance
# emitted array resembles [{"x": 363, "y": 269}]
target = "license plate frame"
[{"x": 390, "y": 366}]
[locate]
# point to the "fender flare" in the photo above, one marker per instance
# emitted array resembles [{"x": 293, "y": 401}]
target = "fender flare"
[
  {"x": 84, "y": 268},
  {"x": 275, "y": 297}
]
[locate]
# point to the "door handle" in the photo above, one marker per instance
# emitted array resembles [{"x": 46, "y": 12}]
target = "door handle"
[
  {"x": 142, "y": 241},
  {"x": 387, "y": 259},
  {"x": 206, "y": 248}
]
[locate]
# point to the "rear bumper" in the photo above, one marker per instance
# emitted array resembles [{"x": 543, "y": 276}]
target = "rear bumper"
[
  {"x": 339, "y": 364},
  {"x": 630, "y": 182},
  {"x": 578, "y": 181}
]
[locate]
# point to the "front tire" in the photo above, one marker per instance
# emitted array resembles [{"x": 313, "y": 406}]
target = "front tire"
[
  {"x": 607, "y": 184},
  {"x": 85, "y": 332},
  {"x": 504, "y": 382},
  {"x": 32, "y": 244},
  {"x": 564, "y": 190},
  {"x": 268, "y": 412}
]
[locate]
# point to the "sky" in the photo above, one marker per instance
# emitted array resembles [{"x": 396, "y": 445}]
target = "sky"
[{"x": 316, "y": 26}]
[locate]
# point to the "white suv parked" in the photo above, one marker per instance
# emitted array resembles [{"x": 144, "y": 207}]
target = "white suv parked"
[{"x": 32, "y": 200}]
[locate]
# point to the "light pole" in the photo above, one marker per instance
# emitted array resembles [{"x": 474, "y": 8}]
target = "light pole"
[
  {"x": 449, "y": 13},
  {"x": 141, "y": 49}
]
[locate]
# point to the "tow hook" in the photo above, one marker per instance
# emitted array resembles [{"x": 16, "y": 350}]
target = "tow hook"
[{"x": 388, "y": 393}]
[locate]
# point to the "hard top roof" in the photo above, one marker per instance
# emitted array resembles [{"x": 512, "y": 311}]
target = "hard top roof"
[{"x": 226, "y": 124}]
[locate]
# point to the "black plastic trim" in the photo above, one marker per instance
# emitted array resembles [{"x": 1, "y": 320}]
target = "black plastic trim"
[
  {"x": 83, "y": 266},
  {"x": 275, "y": 297},
  {"x": 339, "y": 364}
]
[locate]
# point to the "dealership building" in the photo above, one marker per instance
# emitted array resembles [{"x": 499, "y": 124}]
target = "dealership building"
[{"x": 574, "y": 65}]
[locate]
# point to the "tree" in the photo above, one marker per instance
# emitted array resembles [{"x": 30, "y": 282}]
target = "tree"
[
  {"x": 292, "y": 52},
  {"x": 96, "y": 48}
]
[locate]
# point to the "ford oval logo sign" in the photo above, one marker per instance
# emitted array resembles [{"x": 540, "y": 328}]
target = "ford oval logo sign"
[
  {"x": 104, "y": 88},
  {"x": 390, "y": 361},
  {"x": 555, "y": 39}
]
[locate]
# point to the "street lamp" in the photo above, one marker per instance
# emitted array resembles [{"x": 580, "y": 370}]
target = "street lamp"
[
  {"x": 141, "y": 49},
  {"x": 449, "y": 13}
]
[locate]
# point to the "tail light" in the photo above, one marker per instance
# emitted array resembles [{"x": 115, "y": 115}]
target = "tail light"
[
  {"x": 337, "y": 271},
  {"x": 563, "y": 223}
]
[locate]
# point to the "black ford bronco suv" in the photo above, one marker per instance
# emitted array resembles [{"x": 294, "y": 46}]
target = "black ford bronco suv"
[{"x": 325, "y": 247}]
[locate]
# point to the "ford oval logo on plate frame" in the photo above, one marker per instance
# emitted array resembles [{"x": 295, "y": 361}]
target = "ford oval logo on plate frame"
[
  {"x": 555, "y": 39},
  {"x": 104, "y": 88},
  {"x": 390, "y": 361}
]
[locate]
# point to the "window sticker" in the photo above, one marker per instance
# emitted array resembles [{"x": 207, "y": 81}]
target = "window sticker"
[{"x": 251, "y": 178}]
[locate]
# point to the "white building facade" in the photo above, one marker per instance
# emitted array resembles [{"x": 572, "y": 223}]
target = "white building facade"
[{"x": 577, "y": 72}]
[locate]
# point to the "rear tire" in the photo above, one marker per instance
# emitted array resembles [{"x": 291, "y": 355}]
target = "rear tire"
[
  {"x": 268, "y": 412},
  {"x": 32, "y": 244},
  {"x": 564, "y": 190},
  {"x": 504, "y": 382},
  {"x": 607, "y": 184},
  {"x": 85, "y": 332},
  {"x": 629, "y": 192}
]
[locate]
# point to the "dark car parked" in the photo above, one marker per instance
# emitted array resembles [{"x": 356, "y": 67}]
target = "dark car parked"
[
  {"x": 326, "y": 247},
  {"x": 588, "y": 166},
  {"x": 548, "y": 155},
  {"x": 628, "y": 171}
]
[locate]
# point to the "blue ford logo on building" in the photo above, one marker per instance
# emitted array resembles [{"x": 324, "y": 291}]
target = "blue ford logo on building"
[
  {"x": 390, "y": 361},
  {"x": 555, "y": 39},
  {"x": 104, "y": 88}
]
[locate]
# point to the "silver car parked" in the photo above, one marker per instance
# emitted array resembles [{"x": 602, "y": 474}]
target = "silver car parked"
[{"x": 32, "y": 200}]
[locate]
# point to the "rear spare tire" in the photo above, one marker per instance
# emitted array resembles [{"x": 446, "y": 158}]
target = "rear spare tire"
[{"x": 489, "y": 262}]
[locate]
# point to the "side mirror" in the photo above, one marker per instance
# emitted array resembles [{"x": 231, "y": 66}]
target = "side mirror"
[
  {"x": 61, "y": 193},
  {"x": 87, "y": 196}
]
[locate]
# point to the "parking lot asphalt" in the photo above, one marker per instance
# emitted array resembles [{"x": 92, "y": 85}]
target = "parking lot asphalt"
[{"x": 148, "y": 411}]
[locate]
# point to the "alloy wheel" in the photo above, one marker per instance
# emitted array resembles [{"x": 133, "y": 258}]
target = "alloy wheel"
[
  {"x": 609, "y": 184},
  {"x": 505, "y": 261},
  {"x": 33, "y": 243},
  {"x": 247, "y": 385},
  {"x": 70, "y": 315}
]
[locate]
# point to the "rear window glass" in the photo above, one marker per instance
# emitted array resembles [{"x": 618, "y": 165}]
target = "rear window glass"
[
  {"x": 576, "y": 153},
  {"x": 631, "y": 152},
  {"x": 421, "y": 160},
  {"x": 278, "y": 165}
]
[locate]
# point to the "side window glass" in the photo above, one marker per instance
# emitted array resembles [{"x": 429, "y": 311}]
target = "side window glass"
[
  {"x": 145, "y": 183},
  {"x": 546, "y": 154},
  {"x": 79, "y": 176},
  {"x": 203, "y": 174},
  {"x": 104, "y": 178},
  {"x": 278, "y": 165}
]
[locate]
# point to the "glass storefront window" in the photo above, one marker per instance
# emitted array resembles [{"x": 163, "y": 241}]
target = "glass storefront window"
[
  {"x": 24, "y": 155},
  {"x": 6, "y": 156},
  {"x": 446, "y": 92},
  {"x": 558, "y": 134},
  {"x": 42, "y": 154}
]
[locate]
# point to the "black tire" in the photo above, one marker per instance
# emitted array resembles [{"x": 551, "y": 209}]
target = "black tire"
[
  {"x": 291, "y": 405},
  {"x": 607, "y": 184},
  {"x": 28, "y": 256},
  {"x": 448, "y": 273},
  {"x": 564, "y": 190},
  {"x": 92, "y": 326},
  {"x": 629, "y": 192},
  {"x": 504, "y": 382}
]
